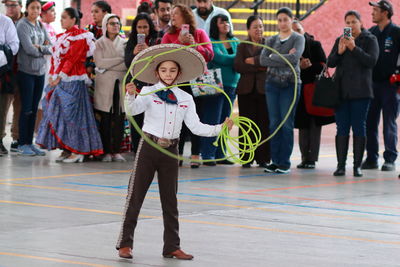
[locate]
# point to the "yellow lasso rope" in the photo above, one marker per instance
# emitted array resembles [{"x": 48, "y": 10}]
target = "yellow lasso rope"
[{"x": 249, "y": 130}]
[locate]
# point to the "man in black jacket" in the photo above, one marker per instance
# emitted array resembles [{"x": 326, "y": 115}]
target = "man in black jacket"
[{"x": 386, "y": 98}]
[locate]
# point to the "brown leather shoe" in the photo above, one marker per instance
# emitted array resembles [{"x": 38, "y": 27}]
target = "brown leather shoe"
[
  {"x": 125, "y": 253},
  {"x": 179, "y": 254}
]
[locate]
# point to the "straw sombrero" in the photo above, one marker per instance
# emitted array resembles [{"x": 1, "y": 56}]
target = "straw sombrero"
[{"x": 192, "y": 62}]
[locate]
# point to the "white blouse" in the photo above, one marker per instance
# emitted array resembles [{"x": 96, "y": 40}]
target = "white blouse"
[{"x": 165, "y": 120}]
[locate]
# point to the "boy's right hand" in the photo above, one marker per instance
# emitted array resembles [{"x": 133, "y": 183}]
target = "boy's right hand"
[{"x": 131, "y": 88}]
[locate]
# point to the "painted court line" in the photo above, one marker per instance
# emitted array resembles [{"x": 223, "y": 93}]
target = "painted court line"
[
  {"x": 287, "y": 204},
  {"x": 319, "y": 185},
  {"x": 153, "y": 183},
  {"x": 299, "y": 198},
  {"x": 51, "y": 259},
  {"x": 64, "y": 189},
  {"x": 63, "y": 176},
  {"x": 268, "y": 202},
  {"x": 276, "y": 203},
  {"x": 221, "y": 224},
  {"x": 346, "y": 217}
]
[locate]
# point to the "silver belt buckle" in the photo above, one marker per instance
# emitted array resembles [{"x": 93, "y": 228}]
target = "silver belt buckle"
[{"x": 163, "y": 142}]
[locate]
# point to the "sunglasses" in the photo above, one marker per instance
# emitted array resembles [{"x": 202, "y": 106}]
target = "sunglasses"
[{"x": 13, "y": 6}]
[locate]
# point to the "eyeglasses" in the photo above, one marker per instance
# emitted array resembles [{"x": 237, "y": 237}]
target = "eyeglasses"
[
  {"x": 12, "y": 6},
  {"x": 114, "y": 23}
]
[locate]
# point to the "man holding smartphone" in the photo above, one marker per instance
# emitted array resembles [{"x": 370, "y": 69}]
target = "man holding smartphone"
[{"x": 386, "y": 98}]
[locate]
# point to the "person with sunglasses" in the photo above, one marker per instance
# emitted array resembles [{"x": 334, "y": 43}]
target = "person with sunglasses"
[{"x": 110, "y": 71}]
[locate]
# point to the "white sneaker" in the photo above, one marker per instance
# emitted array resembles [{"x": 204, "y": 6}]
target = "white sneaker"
[
  {"x": 118, "y": 157},
  {"x": 107, "y": 158}
]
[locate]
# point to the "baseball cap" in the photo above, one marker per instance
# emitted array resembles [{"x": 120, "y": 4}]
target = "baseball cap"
[{"x": 384, "y": 5}]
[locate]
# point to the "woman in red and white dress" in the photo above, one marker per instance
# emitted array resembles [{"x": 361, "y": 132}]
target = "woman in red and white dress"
[{"x": 68, "y": 122}]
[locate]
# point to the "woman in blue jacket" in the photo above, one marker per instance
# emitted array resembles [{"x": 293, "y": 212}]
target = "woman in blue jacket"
[{"x": 215, "y": 109}]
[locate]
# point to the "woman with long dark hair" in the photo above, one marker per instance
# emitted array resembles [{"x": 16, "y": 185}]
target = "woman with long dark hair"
[
  {"x": 310, "y": 125},
  {"x": 142, "y": 25},
  {"x": 354, "y": 57},
  {"x": 216, "y": 108},
  {"x": 34, "y": 45},
  {"x": 68, "y": 122}
]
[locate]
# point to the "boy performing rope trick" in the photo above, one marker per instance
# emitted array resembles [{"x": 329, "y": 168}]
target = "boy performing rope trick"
[{"x": 164, "y": 113}]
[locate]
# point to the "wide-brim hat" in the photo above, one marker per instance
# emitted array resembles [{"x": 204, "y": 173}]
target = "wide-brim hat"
[{"x": 191, "y": 62}]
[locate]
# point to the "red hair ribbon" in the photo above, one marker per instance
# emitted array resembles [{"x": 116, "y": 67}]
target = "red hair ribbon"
[{"x": 48, "y": 6}]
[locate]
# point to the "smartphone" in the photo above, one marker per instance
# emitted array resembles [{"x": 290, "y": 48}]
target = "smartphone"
[
  {"x": 347, "y": 32},
  {"x": 141, "y": 38},
  {"x": 184, "y": 29}
]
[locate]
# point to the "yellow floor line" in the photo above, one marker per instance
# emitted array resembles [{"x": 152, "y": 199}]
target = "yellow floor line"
[
  {"x": 64, "y": 189},
  {"x": 293, "y": 232},
  {"x": 63, "y": 175},
  {"x": 352, "y": 218},
  {"x": 109, "y": 172},
  {"x": 213, "y": 223},
  {"x": 52, "y": 259},
  {"x": 71, "y": 208}
]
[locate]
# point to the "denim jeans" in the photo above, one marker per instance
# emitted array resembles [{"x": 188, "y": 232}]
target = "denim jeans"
[
  {"x": 210, "y": 113},
  {"x": 352, "y": 114},
  {"x": 279, "y": 99},
  {"x": 387, "y": 101},
  {"x": 31, "y": 88},
  {"x": 226, "y": 111}
]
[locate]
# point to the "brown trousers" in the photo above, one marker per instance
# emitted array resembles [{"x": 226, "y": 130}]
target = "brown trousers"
[
  {"x": 148, "y": 161},
  {"x": 5, "y": 102}
]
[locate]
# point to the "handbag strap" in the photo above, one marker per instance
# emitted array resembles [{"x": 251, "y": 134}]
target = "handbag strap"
[{"x": 325, "y": 72}]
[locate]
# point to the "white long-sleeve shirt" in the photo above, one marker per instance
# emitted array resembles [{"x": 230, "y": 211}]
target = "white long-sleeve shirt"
[
  {"x": 8, "y": 36},
  {"x": 165, "y": 120},
  {"x": 205, "y": 23}
]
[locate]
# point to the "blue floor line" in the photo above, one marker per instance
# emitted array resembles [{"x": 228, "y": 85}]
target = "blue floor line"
[
  {"x": 284, "y": 204},
  {"x": 99, "y": 185},
  {"x": 250, "y": 200},
  {"x": 179, "y": 181}
]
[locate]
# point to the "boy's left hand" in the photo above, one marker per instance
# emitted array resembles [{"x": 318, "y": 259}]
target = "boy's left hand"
[
  {"x": 229, "y": 123},
  {"x": 131, "y": 88}
]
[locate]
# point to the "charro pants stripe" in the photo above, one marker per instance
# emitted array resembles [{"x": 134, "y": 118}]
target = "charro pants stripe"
[{"x": 149, "y": 161}]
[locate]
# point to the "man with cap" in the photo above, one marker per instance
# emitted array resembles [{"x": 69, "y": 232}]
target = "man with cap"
[
  {"x": 386, "y": 98},
  {"x": 13, "y": 11}
]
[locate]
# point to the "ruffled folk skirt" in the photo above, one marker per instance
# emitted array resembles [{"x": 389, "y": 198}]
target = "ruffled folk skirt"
[{"x": 68, "y": 120}]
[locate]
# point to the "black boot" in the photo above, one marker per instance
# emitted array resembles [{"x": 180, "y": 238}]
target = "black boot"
[
  {"x": 342, "y": 145},
  {"x": 358, "y": 150}
]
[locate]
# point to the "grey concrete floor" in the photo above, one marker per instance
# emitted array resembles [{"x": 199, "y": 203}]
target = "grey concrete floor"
[{"x": 55, "y": 214}]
